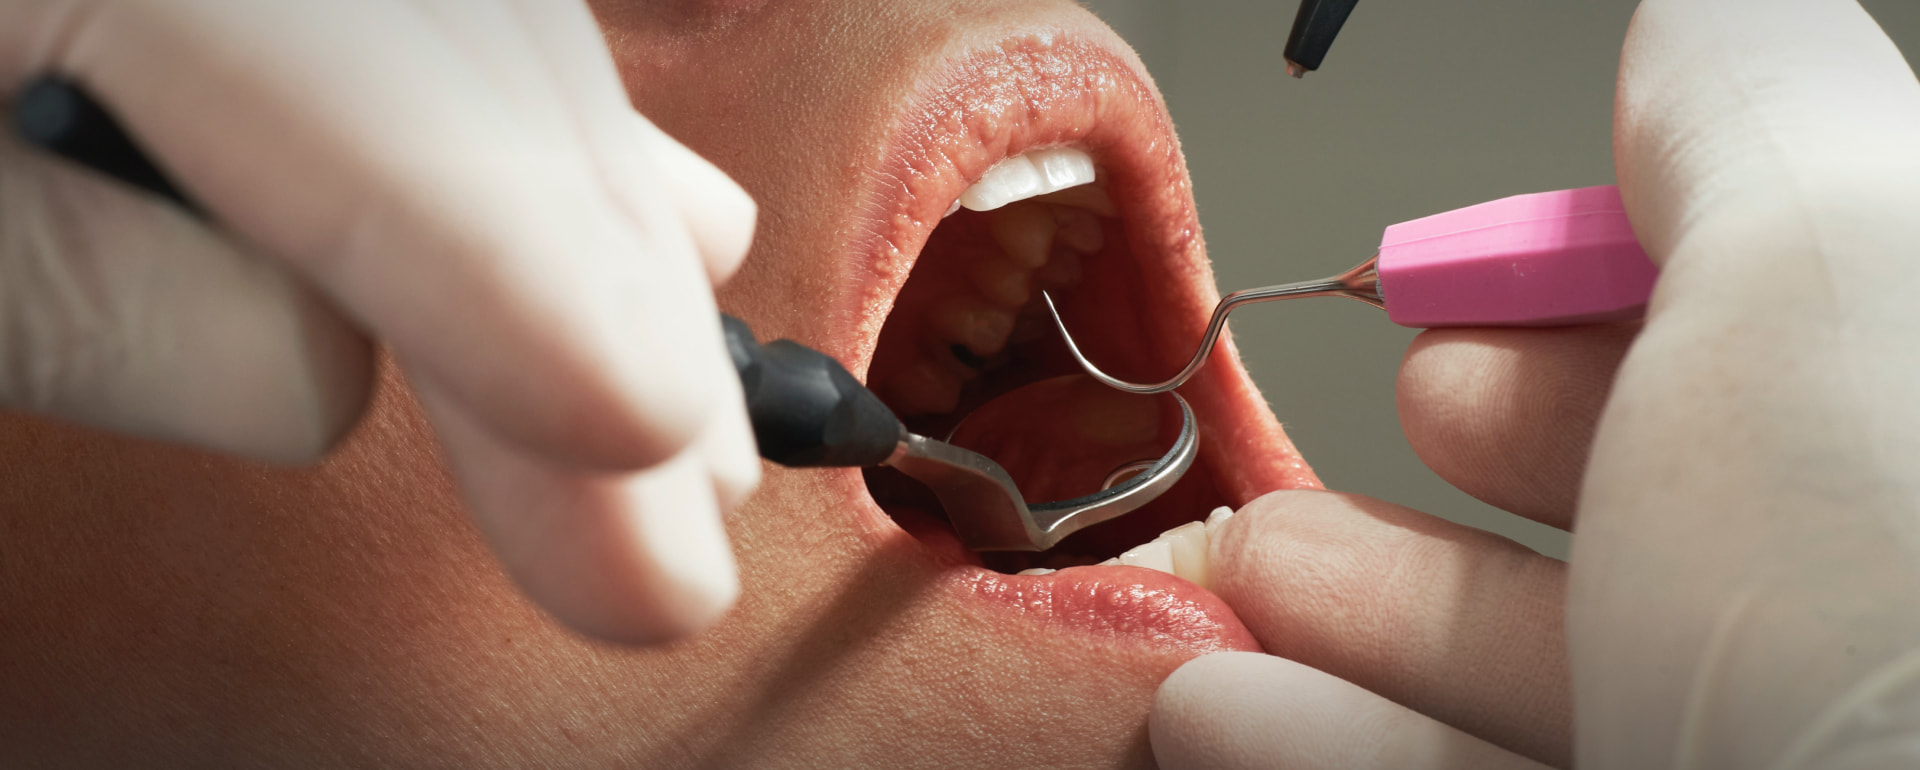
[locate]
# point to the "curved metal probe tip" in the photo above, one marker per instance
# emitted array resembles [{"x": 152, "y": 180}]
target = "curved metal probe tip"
[
  {"x": 1360, "y": 283},
  {"x": 989, "y": 513}
]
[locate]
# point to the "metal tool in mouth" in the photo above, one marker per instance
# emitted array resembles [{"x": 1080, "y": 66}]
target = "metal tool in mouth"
[
  {"x": 1360, "y": 283},
  {"x": 989, "y": 513},
  {"x": 1556, "y": 258},
  {"x": 808, "y": 411}
]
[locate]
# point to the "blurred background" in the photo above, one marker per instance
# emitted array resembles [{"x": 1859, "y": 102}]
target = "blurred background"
[{"x": 1421, "y": 107}]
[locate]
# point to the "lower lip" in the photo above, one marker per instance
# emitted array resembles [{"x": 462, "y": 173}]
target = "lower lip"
[
  {"x": 1113, "y": 604},
  {"x": 1110, "y": 603}
]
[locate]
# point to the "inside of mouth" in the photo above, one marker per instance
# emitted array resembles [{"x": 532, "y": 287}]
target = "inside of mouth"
[{"x": 969, "y": 327}]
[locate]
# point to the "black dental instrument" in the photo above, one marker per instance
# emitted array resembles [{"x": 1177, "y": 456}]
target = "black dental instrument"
[
  {"x": 1314, "y": 27},
  {"x": 807, "y": 410},
  {"x": 56, "y": 115}
]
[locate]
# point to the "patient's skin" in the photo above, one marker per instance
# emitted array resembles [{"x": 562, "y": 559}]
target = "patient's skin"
[{"x": 160, "y": 605}]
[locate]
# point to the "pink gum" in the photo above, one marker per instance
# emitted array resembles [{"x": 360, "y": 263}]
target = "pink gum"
[{"x": 1546, "y": 259}]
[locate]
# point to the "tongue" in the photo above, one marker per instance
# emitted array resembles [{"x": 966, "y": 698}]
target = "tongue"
[{"x": 1066, "y": 437}]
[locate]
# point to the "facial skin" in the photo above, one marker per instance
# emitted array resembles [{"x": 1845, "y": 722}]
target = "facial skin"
[{"x": 165, "y": 606}]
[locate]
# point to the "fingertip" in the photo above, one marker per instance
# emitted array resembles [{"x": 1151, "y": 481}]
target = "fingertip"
[
  {"x": 1226, "y": 710},
  {"x": 663, "y": 570},
  {"x": 732, "y": 453},
  {"x": 628, "y": 557},
  {"x": 1508, "y": 415},
  {"x": 695, "y": 580},
  {"x": 719, "y": 214}
]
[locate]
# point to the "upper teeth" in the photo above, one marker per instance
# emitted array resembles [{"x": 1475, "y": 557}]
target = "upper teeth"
[
  {"x": 1029, "y": 175},
  {"x": 1035, "y": 240}
]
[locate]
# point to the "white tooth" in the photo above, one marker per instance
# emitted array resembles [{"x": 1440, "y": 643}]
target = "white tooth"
[
  {"x": 1218, "y": 517},
  {"x": 951, "y": 207},
  {"x": 1079, "y": 229},
  {"x": 1029, "y": 175},
  {"x": 1188, "y": 543},
  {"x": 1024, "y": 233},
  {"x": 1090, "y": 198},
  {"x": 1035, "y": 571},
  {"x": 1063, "y": 167},
  {"x": 1154, "y": 555}
]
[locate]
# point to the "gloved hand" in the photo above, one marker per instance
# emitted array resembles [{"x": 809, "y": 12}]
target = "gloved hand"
[
  {"x": 463, "y": 181},
  {"x": 1746, "y": 560}
]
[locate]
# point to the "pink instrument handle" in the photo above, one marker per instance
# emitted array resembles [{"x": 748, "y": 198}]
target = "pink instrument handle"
[{"x": 1546, "y": 259}]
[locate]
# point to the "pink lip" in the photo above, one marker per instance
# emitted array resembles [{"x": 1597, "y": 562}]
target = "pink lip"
[{"x": 1040, "y": 91}]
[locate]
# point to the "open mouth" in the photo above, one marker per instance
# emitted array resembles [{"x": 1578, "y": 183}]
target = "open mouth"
[{"x": 1048, "y": 164}]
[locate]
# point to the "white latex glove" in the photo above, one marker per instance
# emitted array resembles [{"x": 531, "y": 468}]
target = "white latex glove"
[
  {"x": 1744, "y": 578},
  {"x": 461, "y": 180}
]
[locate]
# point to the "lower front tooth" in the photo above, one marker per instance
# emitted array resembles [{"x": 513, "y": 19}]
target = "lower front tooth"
[
  {"x": 1216, "y": 518},
  {"x": 1188, "y": 544},
  {"x": 1154, "y": 555},
  {"x": 1035, "y": 571}
]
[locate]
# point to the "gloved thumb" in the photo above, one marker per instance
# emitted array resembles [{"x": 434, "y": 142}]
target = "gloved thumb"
[
  {"x": 124, "y": 312},
  {"x": 1246, "y": 710}
]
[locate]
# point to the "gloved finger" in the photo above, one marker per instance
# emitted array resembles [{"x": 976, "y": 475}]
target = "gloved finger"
[
  {"x": 730, "y": 450},
  {"x": 444, "y": 209},
  {"x": 1458, "y": 624},
  {"x": 1234, "y": 710},
  {"x": 1507, "y": 415},
  {"x": 121, "y": 311},
  {"x": 637, "y": 557},
  {"x": 1738, "y": 568},
  {"x": 718, "y": 214},
  {"x": 658, "y": 181}
]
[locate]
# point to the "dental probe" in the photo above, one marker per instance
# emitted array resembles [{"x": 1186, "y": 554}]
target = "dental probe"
[
  {"x": 1547, "y": 259},
  {"x": 1314, "y": 26},
  {"x": 807, "y": 410}
]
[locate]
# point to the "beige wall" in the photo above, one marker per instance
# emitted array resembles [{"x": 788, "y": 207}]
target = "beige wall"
[{"x": 1421, "y": 107}]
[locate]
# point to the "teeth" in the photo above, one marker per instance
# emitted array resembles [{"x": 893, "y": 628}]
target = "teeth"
[
  {"x": 922, "y": 388},
  {"x": 1218, "y": 517},
  {"x": 1077, "y": 229},
  {"x": 1188, "y": 542},
  {"x": 972, "y": 321},
  {"x": 1157, "y": 554},
  {"x": 1035, "y": 571},
  {"x": 1025, "y": 232},
  {"x": 1029, "y": 175},
  {"x": 1060, "y": 272},
  {"x": 1029, "y": 245},
  {"x": 1000, "y": 281},
  {"x": 1087, "y": 197},
  {"x": 1181, "y": 551}
]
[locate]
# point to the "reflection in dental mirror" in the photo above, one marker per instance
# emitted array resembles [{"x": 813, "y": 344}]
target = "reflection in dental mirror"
[{"x": 1064, "y": 437}]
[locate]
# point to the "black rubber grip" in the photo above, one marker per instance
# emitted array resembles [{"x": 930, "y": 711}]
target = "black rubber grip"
[
  {"x": 807, "y": 410},
  {"x": 1314, "y": 28},
  {"x": 56, "y": 115}
]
